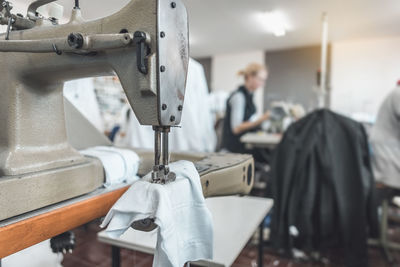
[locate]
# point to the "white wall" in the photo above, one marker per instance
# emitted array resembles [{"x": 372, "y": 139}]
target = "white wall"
[
  {"x": 363, "y": 73},
  {"x": 225, "y": 68}
]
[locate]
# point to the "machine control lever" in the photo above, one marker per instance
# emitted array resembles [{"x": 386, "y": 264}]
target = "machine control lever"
[{"x": 142, "y": 51}]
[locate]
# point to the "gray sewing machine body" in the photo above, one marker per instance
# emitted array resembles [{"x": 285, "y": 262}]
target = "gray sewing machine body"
[{"x": 145, "y": 44}]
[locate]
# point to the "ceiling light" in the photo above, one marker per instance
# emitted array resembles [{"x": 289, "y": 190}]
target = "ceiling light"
[{"x": 274, "y": 22}]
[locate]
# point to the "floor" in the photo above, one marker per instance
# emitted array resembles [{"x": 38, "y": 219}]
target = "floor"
[{"x": 91, "y": 253}]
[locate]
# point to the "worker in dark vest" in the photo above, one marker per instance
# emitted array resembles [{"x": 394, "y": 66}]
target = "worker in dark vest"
[{"x": 240, "y": 115}]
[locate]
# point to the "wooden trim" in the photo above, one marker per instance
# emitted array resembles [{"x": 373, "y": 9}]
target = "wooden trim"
[{"x": 25, "y": 233}]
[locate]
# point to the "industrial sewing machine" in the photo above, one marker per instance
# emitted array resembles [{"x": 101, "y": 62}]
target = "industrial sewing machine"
[{"x": 146, "y": 45}]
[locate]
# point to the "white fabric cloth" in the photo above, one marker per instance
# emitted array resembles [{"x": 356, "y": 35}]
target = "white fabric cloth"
[
  {"x": 81, "y": 93},
  {"x": 217, "y": 101},
  {"x": 197, "y": 131},
  {"x": 185, "y": 231},
  {"x": 132, "y": 134},
  {"x": 197, "y": 124},
  {"x": 119, "y": 164},
  {"x": 238, "y": 105}
]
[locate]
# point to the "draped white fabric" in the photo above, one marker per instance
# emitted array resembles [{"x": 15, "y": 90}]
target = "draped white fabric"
[
  {"x": 82, "y": 95},
  {"x": 197, "y": 125}
]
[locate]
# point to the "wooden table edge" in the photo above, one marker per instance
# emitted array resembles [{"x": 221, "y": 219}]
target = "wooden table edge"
[{"x": 25, "y": 233}]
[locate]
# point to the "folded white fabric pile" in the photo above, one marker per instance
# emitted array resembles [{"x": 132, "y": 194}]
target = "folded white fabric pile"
[
  {"x": 185, "y": 231},
  {"x": 119, "y": 164}
]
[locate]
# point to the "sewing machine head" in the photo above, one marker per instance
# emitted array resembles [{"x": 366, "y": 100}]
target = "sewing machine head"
[{"x": 145, "y": 44}]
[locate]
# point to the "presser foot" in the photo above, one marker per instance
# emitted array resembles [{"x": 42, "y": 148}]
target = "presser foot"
[{"x": 162, "y": 175}]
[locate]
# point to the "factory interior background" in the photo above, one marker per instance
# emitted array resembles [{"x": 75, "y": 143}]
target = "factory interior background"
[{"x": 326, "y": 151}]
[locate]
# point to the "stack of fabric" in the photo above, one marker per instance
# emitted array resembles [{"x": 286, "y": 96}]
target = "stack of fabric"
[
  {"x": 323, "y": 187},
  {"x": 120, "y": 165}
]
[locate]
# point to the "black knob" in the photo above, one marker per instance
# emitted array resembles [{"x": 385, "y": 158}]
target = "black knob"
[
  {"x": 63, "y": 242},
  {"x": 75, "y": 40}
]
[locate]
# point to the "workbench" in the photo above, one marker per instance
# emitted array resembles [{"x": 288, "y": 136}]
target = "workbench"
[
  {"x": 261, "y": 140},
  {"x": 23, "y": 231},
  {"x": 235, "y": 220}
]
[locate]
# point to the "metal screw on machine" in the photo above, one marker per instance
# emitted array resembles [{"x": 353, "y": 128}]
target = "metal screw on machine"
[
  {"x": 53, "y": 20},
  {"x": 75, "y": 40}
]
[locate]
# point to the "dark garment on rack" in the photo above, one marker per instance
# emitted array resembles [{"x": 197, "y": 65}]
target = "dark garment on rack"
[{"x": 323, "y": 187}]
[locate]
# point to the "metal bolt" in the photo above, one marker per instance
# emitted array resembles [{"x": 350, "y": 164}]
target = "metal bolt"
[
  {"x": 173, "y": 4},
  {"x": 162, "y": 34},
  {"x": 75, "y": 40},
  {"x": 164, "y": 106},
  {"x": 180, "y": 107},
  {"x": 162, "y": 68},
  {"x": 172, "y": 118}
]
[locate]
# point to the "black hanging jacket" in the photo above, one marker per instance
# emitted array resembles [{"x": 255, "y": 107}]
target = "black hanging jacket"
[
  {"x": 230, "y": 140},
  {"x": 323, "y": 187}
]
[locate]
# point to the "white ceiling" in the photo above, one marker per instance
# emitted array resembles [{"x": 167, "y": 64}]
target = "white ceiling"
[{"x": 227, "y": 26}]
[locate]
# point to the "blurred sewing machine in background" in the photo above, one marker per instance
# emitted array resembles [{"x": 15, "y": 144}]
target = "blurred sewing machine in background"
[
  {"x": 282, "y": 114},
  {"x": 146, "y": 45}
]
